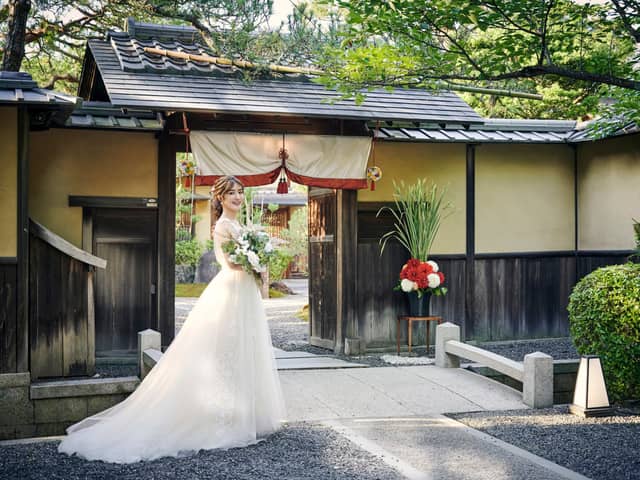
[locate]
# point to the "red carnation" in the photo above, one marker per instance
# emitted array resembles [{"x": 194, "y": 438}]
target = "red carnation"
[
  {"x": 441, "y": 275},
  {"x": 413, "y": 263}
]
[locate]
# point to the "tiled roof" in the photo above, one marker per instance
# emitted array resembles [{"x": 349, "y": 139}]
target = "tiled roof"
[
  {"x": 492, "y": 131},
  {"x": 104, "y": 115},
  {"x": 19, "y": 88},
  {"x": 499, "y": 130},
  {"x": 135, "y": 78}
]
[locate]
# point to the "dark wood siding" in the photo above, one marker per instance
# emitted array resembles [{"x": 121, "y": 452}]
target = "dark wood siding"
[
  {"x": 61, "y": 323},
  {"x": 8, "y": 316},
  {"x": 521, "y": 297}
]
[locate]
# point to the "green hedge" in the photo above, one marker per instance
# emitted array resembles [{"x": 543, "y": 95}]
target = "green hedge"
[
  {"x": 604, "y": 319},
  {"x": 188, "y": 252}
]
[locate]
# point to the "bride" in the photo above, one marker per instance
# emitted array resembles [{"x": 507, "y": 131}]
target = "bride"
[{"x": 217, "y": 384}]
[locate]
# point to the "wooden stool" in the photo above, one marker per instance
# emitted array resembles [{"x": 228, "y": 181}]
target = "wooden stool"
[{"x": 410, "y": 320}]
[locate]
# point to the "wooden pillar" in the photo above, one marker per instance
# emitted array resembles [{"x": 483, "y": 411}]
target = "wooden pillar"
[
  {"x": 22, "y": 317},
  {"x": 469, "y": 307},
  {"x": 167, "y": 148},
  {"x": 346, "y": 264}
]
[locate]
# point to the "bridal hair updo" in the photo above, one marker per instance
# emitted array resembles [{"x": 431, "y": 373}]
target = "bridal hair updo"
[{"x": 220, "y": 188}]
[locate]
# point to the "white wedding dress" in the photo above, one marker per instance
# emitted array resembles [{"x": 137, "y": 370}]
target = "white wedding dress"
[{"x": 216, "y": 386}]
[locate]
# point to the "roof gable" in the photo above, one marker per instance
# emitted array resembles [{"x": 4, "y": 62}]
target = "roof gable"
[{"x": 136, "y": 78}]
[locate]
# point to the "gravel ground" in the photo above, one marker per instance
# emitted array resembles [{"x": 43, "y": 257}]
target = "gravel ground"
[
  {"x": 299, "y": 451},
  {"x": 606, "y": 448}
]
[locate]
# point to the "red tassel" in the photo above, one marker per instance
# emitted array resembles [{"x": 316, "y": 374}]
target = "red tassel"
[
  {"x": 373, "y": 185},
  {"x": 282, "y": 186}
]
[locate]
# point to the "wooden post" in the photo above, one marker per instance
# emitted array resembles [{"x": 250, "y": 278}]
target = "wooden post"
[
  {"x": 167, "y": 148},
  {"x": 346, "y": 264},
  {"x": 91, "y": 323},
  {"x": 22, "y": 317}
]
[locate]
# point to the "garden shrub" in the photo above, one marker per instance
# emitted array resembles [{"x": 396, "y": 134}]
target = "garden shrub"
[
  {"x": 604, "y": 320},
  {"x": 188, "y": 252},
  {"x": 278, "y": 263}
]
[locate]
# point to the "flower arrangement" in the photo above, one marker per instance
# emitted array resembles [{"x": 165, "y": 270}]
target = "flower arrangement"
[
  {"x": 251, "y": 250},
  {"x": 421, "y": 277},
  {"x": 417, "y": 214}
]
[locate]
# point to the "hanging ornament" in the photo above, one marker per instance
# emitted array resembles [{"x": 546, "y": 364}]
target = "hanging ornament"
[
  {"x": 374, "y": 174},
  {"x": 283, "y": 183}
]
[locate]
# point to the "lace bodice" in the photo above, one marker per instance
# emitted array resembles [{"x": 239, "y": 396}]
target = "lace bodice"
[{"x": 223, "y": 232}]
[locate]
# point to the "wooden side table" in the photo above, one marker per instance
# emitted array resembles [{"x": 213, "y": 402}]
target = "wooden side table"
[{"x": 409, "y": 319}]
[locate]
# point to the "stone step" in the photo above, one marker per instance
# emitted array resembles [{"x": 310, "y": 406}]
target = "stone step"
[{"x": 83, "y": 387}]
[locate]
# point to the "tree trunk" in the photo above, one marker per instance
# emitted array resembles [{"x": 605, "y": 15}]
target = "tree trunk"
[{"x": 14, "y": 47}]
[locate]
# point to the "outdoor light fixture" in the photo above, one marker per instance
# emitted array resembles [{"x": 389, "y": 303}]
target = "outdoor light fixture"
[{"x": 590, "y": 397}]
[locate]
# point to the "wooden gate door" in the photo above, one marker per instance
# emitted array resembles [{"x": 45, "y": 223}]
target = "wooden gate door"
[
  {"x": 125, "y": 292},
  {"x": 322, "y": 267}
]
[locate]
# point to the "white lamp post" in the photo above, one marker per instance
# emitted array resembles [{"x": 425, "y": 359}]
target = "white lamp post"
[{"x": 590, "y": 397}]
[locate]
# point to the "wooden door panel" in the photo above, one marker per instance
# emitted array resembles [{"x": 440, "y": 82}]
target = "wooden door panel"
[
  {"x": 322, "y": 267},
  {"x": 125, "y": 290}
]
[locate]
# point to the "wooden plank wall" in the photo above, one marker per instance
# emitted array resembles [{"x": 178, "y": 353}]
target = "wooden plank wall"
[
  {"x": 60, "y": 316},
  {"x": 8, "y": 316},
  {"x": 509, "y": 296},
  {"x": 521, "y": 297}
]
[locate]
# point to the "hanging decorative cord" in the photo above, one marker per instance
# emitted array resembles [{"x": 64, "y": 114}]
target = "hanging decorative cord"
[
  {"x": 374, "y": 173},
  {"x": 283, "y": 183}
]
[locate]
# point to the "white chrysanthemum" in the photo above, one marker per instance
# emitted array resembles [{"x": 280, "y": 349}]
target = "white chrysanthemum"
[
  {"x": 253, "y": 260},
  {"x": 434, "y": 265},
  {"x": 268, "y": 248},
  {"x": 434, "y": 280},
  {"x": 408, "y": 286}
]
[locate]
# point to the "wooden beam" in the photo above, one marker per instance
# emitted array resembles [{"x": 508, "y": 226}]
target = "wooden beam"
[
  {"x": 346, "y": 266},
  {"x": 65, "y": 247},
  {"x": 22, "y": 314},
  {"x": 469, "y": 307},
  {"x": 112, "y": 202},
  {"x": 167, "y": 149}
]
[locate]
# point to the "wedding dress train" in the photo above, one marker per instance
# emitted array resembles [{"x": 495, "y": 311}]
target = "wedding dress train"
[{"x": 216, "y": 386}]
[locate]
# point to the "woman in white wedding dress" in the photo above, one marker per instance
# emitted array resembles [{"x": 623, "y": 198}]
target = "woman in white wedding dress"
[{"x": 217, "y": 384}]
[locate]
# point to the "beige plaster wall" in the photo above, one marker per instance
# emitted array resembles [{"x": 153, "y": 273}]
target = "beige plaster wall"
[
  {"x": 87, "y": 162},
  {"x": 524, "y": 198},
  {"x": 608, "y": 193},
  {"x": 444, "y": 164},
  {"x": 8, "y": 182}
]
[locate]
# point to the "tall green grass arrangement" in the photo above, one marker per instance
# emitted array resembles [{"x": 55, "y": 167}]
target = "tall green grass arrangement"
[{"x": 418, "y": 212}]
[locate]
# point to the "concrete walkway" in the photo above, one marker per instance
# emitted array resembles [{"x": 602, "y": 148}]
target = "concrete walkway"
[{"x": 396, "y": 413}]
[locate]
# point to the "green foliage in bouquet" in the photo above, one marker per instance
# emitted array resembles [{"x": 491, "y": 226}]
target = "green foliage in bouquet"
[
  {"x": 419, "y": 210},
  {"x": 604, "y": 319},
  {"x": 251, "y": 250}
]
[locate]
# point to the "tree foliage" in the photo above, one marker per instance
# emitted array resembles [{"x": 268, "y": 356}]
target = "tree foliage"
[
  {"x": 574, "y": 53},
  {"x": 57, "y": 31}
]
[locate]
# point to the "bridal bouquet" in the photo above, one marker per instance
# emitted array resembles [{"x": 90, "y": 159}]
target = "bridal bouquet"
[{"x": 251, "y": 250}]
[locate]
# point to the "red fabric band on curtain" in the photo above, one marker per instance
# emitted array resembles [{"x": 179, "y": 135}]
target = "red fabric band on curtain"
[{"x": 270, "y": 177}]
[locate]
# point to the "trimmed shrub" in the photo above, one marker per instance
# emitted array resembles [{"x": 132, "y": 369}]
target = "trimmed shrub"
[
  {"x": 278, "y": 263},
  {"x": 604, "y": 320},
  {"x": 188, "y": 252}
]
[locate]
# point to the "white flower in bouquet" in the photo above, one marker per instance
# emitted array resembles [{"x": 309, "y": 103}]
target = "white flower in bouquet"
[
  {"x": 434, "y": 265},
  {"x": 434, "y": 280},
  {"x": 408, "y": 286},
  {"x": 250, "y": 250},
  {"x": 254, "y": 260}
]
